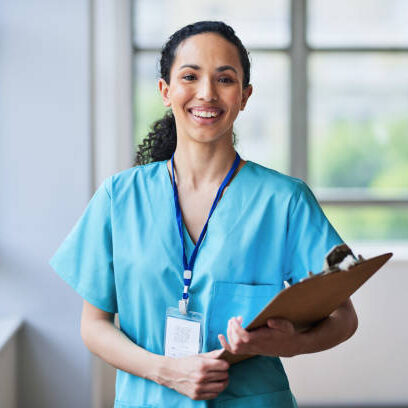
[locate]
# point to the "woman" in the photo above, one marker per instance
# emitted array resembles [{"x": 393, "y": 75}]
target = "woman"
[{"x": 140, "y": 248}]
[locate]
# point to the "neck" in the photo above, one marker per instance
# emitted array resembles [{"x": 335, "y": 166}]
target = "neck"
[{"x": 197, "y": 165}]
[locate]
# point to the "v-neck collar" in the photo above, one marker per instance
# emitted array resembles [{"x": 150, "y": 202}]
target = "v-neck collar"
[{"x": 168, "y": 181}]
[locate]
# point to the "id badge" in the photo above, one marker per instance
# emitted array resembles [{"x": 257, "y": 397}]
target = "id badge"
[{"x": 183, "y": 333}]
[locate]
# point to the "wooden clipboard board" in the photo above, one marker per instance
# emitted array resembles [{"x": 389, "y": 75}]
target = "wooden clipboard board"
[{"x": 307, "y": 302}]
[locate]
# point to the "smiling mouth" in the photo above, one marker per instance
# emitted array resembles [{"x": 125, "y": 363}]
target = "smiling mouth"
[
  {"x": 205, "y": 117},
  {"x": 205, "y": 114}
]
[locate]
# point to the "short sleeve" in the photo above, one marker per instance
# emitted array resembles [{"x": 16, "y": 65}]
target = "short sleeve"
[
  {"x": 310, "y": 236},
  {"x": 84, "y": 259}
]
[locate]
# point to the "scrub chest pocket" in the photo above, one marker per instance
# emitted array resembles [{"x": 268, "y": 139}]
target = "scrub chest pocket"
[{"x": 235, "y": 299}]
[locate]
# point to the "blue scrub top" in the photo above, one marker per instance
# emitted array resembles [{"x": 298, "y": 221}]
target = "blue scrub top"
[{"x": 124, "y": 256}]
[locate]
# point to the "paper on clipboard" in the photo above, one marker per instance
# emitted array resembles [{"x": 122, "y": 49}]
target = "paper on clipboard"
[{"x": 313, "y": 299}]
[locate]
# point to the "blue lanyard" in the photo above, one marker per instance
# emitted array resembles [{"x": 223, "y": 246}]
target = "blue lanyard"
[{"x": 188, "y": 266}]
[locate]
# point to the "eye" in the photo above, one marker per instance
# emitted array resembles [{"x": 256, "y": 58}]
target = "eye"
[
  {"x": 188, "y": 77},
  {"x": 226, "y": 80}
]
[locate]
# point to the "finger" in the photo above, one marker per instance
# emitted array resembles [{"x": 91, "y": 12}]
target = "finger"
[
  {"x": 234, "y": 337},
  {"x": 223, "y": 342},
  {"x": 214, "y": 363},
  {"x": 272, "y": 323},
  {"x": 215, "y": 376},
  {"x": 280, "y": 324},
  {"x": 212, "y": 354},
  {"x": 208, "y": 396},
  {"x": 240, "y": 330},
  {"x": 242, "y": 334},
  {"x": 231, "y": 333},
  {"x": 214, "y": 386}
]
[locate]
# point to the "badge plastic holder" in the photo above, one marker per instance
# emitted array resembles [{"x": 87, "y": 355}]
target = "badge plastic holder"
[{"x": 183, "y": 334}]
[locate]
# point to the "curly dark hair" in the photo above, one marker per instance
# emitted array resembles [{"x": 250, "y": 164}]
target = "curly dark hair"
[{"x": 160, "y": 142}]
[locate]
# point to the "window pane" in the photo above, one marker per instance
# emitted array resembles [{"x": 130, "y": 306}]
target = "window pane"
[
  {"x": 369, "y": 223},
  {"x": 262, "y": 128},
  {"x": 358, "y": 23},
  {"x": 267, "y": 24},
  {"x": 359, "y": 122},
  {"x": 148, "y": 105}
]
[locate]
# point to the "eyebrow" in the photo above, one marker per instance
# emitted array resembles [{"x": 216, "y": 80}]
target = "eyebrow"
[{"x": 219, "y": 69}]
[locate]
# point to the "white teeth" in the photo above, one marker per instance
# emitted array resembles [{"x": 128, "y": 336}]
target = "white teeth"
[{"x": 204, "y": 114}]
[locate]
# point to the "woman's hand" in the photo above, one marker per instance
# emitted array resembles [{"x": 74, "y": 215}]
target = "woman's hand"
[
  {"x": 200, "y": 377},
  {"x": 278, "y": 338}
]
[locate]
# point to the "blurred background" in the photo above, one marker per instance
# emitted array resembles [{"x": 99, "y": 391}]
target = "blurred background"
[{"x": 78, "y": 92}]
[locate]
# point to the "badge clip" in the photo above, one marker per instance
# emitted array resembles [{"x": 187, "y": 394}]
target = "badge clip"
[{"x": 183, "y": 303}]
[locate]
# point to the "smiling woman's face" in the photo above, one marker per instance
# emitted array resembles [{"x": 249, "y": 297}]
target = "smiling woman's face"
[{"x": 206, "y": 79}]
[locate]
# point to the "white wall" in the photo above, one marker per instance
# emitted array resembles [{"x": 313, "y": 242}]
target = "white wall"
[
  {"x": 9, "y": 330},
  {"x": 8, "y": 374},
  {"x": 45, "y": 183}
]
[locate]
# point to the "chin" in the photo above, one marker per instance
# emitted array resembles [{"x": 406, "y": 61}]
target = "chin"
[
  {"x": 210, "y": 136},
  {"x": 207, "y": 138}
]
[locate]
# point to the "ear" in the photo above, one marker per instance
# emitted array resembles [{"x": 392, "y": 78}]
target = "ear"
[
  {"x": 246, "y": 93},
  {"x": 164, "y": 90}
]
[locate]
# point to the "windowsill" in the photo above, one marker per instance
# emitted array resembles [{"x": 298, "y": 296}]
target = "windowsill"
[
  {"x": 372, "y": 249},
  {"x": 9, "y": 328}
]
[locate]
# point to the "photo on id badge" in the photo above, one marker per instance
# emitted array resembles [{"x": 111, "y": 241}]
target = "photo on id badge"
[{"x": 183, "y": 335}]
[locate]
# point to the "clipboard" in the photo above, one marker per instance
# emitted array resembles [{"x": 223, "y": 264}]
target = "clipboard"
[{"x": 309, "y": 301}]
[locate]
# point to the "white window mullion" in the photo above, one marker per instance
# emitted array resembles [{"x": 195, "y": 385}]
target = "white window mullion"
[
  {"x": 111, "y": 126},
  {"x": 298, "y": 151},
  {"x": 113, "y": 146}
]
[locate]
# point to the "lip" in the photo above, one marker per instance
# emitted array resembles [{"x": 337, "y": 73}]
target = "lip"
[
  {"x": 206, "y": 108},
  {"x": 206, "y": 121}
]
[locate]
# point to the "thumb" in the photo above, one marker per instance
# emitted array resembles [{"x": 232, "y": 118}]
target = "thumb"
[
  {"x": 212, "y": 354},
  {"x": 280, "y": 324}
]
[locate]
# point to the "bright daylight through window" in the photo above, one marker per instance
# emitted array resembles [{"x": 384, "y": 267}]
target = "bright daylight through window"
[{"x": 355, "y": 108}]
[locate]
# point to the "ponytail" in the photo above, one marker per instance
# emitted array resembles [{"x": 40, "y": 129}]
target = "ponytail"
[{"x": 160, "y": 143}]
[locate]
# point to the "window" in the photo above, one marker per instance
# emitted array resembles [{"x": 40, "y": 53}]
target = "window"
[
  {"x": 358, "y": 123},
  {"x": 330, "y": 98}
]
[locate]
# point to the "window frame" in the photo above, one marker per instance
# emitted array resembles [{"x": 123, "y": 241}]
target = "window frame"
[
  {"x": 300, "y": 122},
  {"x": 298, "y": 52}
]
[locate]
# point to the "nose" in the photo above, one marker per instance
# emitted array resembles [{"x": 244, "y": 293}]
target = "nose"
[{"x": 207, "y": 90}]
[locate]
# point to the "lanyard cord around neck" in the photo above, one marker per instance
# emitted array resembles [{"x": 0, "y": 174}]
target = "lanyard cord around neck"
[{"x": 188, "y": 265}]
